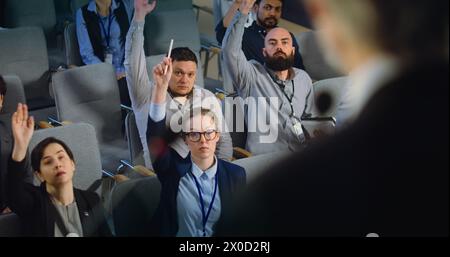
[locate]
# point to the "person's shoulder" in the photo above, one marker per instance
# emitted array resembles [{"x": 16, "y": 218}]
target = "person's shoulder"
[
  {"x": 204, "y": 92},
  {"x": 259, "y": 66},
  {"x": 90, "y": 196},
  {"x": 231, "y": 167},
  {"x": 301, "y": 75}
]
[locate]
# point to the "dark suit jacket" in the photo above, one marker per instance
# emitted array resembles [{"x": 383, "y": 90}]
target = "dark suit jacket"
[
  {"x": 6, "y": 144},
  {"x": 386, "y": 174},
  {"x": 36, "y": 210},
  {"x": 171, "y": 167}
]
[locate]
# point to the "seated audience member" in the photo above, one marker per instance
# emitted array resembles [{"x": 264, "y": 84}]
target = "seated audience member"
[
  {"x": 182, "y": 90},
  {"x": 268, "y": 13},
  {"x": 6, "y": 142},
  {"x": 286, "y": 92},
  {"x": 56, "y": 208},
  {"x": 197, "y": 188},
  {"x": 383, "y": 175},
  {"x": 102, "y": 26}
]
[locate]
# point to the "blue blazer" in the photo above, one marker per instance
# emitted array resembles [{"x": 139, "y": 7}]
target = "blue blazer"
[{"x": 171, "y": 167}]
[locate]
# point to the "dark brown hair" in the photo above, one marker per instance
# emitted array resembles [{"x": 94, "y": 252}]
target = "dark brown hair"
[{"x": 38, "y": 151}]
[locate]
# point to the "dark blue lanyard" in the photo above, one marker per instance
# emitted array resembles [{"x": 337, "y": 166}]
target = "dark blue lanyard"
[
  {"x": 205, "y": 217},
  {"x": 107, "y": 33}
]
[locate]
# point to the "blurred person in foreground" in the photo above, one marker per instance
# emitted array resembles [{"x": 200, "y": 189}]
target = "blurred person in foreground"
[{"x": 387, "y": 173}]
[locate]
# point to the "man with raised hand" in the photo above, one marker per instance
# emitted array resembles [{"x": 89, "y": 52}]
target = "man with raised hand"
[
  {"x": 275, "y": 91},
  {"x": 182, "y": 92}
]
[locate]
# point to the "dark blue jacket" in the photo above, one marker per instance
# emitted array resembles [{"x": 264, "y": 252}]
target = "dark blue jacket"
[{"x": 171, "y": 167}]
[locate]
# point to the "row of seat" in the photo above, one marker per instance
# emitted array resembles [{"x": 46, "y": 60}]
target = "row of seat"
[{"x": 137, "y": 197}]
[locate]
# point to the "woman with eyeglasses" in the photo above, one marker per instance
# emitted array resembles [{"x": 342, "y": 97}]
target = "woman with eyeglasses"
[{"x": 196, "y": 190}]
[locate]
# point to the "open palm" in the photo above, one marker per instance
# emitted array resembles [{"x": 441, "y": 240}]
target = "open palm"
[
  {"x": 22, "y": 126},
  {"x": 142, "y": 6},
  {"x": 162, "y": 73}
]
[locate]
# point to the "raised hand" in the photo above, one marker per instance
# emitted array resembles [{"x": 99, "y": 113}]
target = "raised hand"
[
  {"x": 161, "y": 80},
  {"x": 22, "y": 127},
  {"x": 246, "y": 6},
  {"x": 142, "y": 8}
]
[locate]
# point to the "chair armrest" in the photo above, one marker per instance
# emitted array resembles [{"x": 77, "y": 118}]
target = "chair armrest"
[
  {"x": 44, "y": 125},
  {"x": 220, "y": 96},
  {"x": 215, "y": 49},
  {"x": 239, "y": 153},
  {"x": 120, "y": 178},
  {"x": 126, "y": 108},
  {"x": 144, "y": 171}
]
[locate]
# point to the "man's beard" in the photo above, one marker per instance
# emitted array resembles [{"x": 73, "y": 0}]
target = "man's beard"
[
  {"x": 279, "y": 62},
  {"x": 268, "y": 23}
]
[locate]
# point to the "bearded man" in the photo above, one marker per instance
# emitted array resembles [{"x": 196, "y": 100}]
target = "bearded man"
[{"x": 276, "y": 95}]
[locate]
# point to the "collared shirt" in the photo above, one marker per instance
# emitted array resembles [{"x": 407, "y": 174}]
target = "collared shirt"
[
  {"x": 269, "y": 121},
  {"x": 116, "y": 46},
  {"x": 253, "y": 43},
  {"x": 140, "y": 88},
  {"x": 190, "y": 219},
  {"x": 363, "y": 83},
  {"x": 172, "y": 109}
]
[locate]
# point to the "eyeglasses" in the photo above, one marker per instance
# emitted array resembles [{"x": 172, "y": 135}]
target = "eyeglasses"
[{"x": 196, "y": 136}]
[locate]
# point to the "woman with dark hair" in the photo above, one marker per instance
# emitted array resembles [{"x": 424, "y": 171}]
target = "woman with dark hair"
[{"x": 55, "y": 208}]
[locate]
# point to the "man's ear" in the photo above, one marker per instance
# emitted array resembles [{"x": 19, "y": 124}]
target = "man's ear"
[{"x": 264, "y": 52}]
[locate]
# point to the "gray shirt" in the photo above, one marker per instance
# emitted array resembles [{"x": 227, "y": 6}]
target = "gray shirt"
[
  {"x": 256, "y": 84},
  {"x": 70, "y": 219},
  {"x": 140, "y": 88}
]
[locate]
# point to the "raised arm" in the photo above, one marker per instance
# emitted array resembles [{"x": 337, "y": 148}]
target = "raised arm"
[
  {"x": 222, "y": 25},
  {"x": 135, "y": 65},
  {"x": 242, "y": 72},
  {"x": 20, "y": 199}
]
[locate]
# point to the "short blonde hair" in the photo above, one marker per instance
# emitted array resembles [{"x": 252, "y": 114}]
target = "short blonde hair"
[{"x": 192, "y": 112}]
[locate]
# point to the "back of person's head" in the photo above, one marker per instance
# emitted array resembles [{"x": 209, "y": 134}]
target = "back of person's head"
[
  {"x": 183, "y": 54},
  {"x": 38, "y": 151},
  {"x": 412, "y": 30},
  {"x": 2, "y": 86}
]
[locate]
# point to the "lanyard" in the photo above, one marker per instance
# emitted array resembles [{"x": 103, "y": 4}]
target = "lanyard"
[
  {"x": 287, "y": 97},
  {"x": 290, "y": 99},
  {"x": 205, "y": 217},
  {"x": 107, "y": 33}
]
